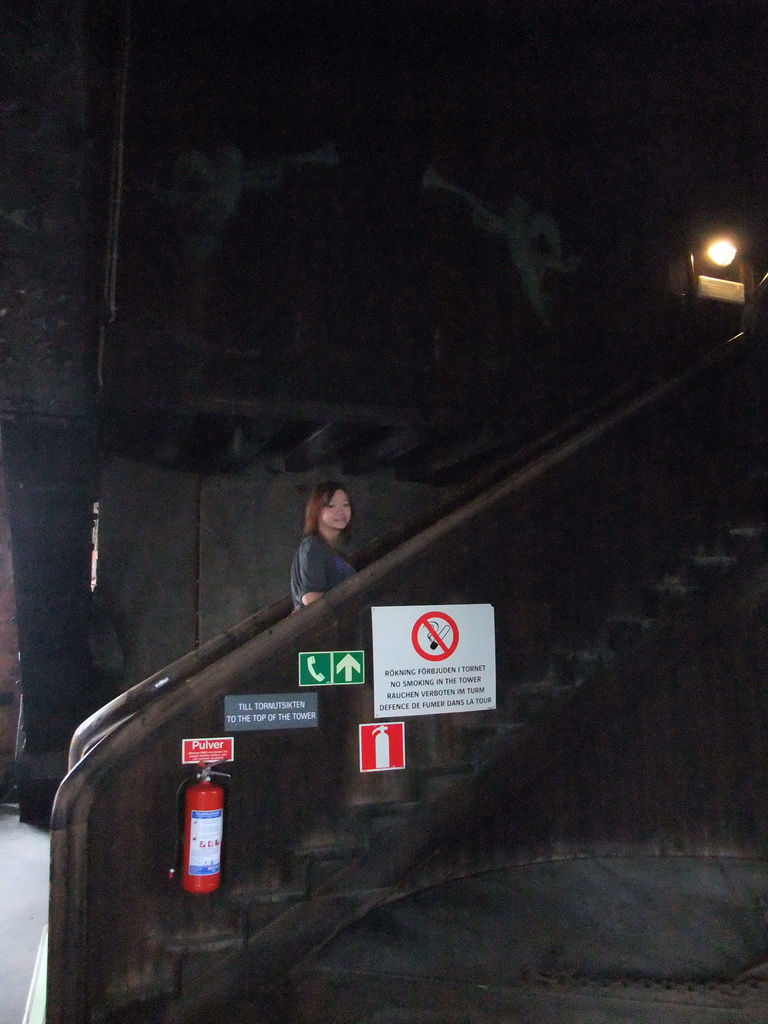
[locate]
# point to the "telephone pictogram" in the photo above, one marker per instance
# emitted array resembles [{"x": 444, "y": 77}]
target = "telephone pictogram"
[{"x": 311, "y": 667}]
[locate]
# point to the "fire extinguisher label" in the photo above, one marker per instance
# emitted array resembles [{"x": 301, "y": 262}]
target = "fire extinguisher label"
[
  {"x": 208, "y": 751},
  {"x": 382, "y": 746},
  {"x": 206, "y": 830}
]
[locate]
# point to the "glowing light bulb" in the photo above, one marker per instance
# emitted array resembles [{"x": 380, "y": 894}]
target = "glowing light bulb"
[{"x": 722, "y": 252}]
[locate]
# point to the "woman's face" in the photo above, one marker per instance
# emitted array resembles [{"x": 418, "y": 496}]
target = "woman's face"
[{"x": 337, "y": 513}]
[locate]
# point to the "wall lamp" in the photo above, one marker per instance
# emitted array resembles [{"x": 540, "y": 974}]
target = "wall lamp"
[
  {"x": 721, "y": 252},
  {"x": 720, "y": 271},
  {"x": 714, "y": 269}
]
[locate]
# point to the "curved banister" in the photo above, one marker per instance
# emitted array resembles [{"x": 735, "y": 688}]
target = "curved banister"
[{"x": 136, "y": 698}]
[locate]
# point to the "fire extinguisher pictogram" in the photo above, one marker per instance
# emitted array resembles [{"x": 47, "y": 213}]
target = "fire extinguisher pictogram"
[{"x": 203, "y": 832}]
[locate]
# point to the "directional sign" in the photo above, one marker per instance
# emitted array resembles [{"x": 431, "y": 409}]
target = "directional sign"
[
  {"x": 382, "y": 746},
  {"x": 252, "y": 711},
  {"x": 331, "y": 668},
  {"x": 433, "y": 660}
]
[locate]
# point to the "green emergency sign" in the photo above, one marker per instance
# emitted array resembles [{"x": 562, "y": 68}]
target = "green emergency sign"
[{"x": 331, "y": 668}]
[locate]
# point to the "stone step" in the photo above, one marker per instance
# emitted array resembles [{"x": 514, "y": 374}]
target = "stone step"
[
  {"x": 485, "y": 737},
  {"x": 536, "y": 702},
  {"x": 437, "y": 780},
  {"x": 498, "y": 730},
  {"x": 211, "y": 941},
  {"x": 385, "y": 809},
  {"x": 342, "y": 850},
  {"x": 713, "y": 560},
  {"x": 544, "y": 688},
  {"x": 747, "y": 531},
  {"x": 378, "y": 818},
  {"x": 747, "y": 541},
  {"x": 673, "y": 591},
  {"x": 318, "y": 864},
  {"x": 623, "y": 632},
  {"x": 674, "y": 585},
  {"x": 579, "y": 667},
  {"x": 449, "y": 769},
  {"x": 248, "y": 896},
  {"x": 708, "y": 566},
  {"x": 259, "y": 907}
]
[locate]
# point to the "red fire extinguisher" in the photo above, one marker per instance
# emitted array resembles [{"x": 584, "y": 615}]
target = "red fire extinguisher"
[{"x": 203, "y": 832}]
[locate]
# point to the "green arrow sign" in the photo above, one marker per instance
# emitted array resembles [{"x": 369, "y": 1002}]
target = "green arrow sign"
[{"x": 331, "y": 668}]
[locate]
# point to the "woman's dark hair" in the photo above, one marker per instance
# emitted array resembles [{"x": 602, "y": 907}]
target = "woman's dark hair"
[{"x": 318, "y": 500}]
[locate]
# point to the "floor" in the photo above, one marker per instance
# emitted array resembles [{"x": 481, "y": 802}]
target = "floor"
[{"x": 24, "y": 856}]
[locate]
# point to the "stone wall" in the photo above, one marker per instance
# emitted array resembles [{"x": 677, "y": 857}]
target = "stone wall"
[
  {"x": 184, "y": 557},
  {"x": 48, "y": 313},
  {"x": 9, "y": 652}
]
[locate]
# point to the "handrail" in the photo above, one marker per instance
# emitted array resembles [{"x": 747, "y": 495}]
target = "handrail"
[{"x": 136, "y": 698}]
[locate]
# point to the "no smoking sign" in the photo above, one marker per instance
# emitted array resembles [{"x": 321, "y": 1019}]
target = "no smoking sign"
[
  {"x": 433, "y": 660},
  {"x": 435, "y": 636}
]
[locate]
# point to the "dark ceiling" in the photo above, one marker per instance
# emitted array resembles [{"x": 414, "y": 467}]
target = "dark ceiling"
[{"x": 623, "y": 120}]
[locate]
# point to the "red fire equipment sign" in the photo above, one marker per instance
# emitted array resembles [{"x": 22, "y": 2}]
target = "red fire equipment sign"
[
  {"x": 382, "y": 746},
  {"x": 208, "y": 751}
]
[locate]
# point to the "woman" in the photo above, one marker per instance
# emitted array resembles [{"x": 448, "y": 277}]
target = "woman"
[{"x": 317, "y": 565}]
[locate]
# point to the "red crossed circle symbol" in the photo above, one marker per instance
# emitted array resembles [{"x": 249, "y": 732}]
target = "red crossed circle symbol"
[{"x": 441, "y": 639}]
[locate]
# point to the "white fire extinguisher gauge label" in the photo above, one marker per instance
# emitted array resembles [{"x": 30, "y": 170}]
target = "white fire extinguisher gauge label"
[{"x": 206, "y": 831}]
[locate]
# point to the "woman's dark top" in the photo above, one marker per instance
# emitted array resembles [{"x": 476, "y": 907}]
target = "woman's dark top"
[{"x": 316, "y": 568}]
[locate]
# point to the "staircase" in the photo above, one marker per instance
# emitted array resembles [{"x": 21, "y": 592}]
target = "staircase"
[
  {"x": 554, "y": 713},
  {"x": 634, "y": 667},
  {"x": 589, "y": 552}
]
